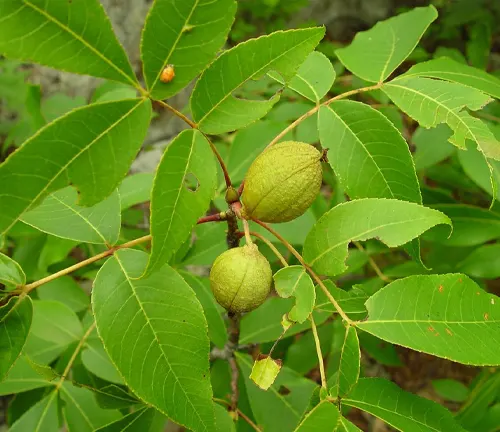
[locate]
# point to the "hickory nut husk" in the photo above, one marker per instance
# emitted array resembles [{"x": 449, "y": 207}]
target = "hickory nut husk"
[
  {"x": 241, "y": 278},
  {"x": 282, "y": 182}
]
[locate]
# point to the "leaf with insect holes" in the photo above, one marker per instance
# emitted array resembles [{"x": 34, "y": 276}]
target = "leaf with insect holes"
[
  {"x": 73, "y": 36},
  {"x": 185, "y": 183},
  {"x": 215, "y": 108},
  {"x": 391, "y": 221},
  {"x": 61, "y": 216},
  {"x": 15, "y": 320},
  {"x": 186, "y": 34},
  {"x": 314, "y": 78},
  {"x": 294, "y": 281},
  {"x": 154, "y": 331},
  {"x": 264, "y": 372},
  {"x": 451, "y": 70},
  {"x": 402, "y": 410},
  {"x": 432, "y": 102},
  {"x": 345, "y": 378},
  {"x": 374, "y": 54},
  {"x": 447, "y": 316},
  {"x": 11, "y": 273},
  {"x": 323, "y": 418},
  {"x": 75, "y": 148}
]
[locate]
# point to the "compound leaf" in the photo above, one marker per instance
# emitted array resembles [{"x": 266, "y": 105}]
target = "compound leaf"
[
  {"x": 323, "y": 418},
  {"x": 11, "y": 273}
]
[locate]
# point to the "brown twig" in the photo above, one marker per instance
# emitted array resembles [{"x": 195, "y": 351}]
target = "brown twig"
[
  {"x": 217, "y": 217},
  {"x": 234, "y": 338},
  {"x": 243, "y": 416},
  {"x": 177, "y": 113},
  {"x": 27, "y": 288}
]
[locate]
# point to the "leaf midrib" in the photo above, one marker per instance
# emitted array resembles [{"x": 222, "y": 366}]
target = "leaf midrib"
[
  {"x": 132, "y": 287},
  {"x": 81, "y": 40},
  {"x": 78, "y": 154},
  {"x": 230, "y": 92}
]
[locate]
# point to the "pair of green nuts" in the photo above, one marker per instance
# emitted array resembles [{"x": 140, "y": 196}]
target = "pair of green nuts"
[{"x": 280, "y": 185}]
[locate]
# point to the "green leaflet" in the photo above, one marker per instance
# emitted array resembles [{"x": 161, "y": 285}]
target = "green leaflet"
[
  {"x": 391, "y": 221},
  {"x": 314, "y": 78},
  {"x": 374, "y": 54},
  {"x": 183, "y": 187},
  {"x": 402, "y": 410},
  {"x": 451, "y": 70},
  {"x": 74, "y": 36},
  {"x": 75, "y": 148},
  {"x": 186, "y": 34},
  {"x": 432, "y": 102},
  {"x": 447, "y": 316},
  {"x": 214, "y": 107},
  {"x": 139, "y": 323},
  {"x": 60, "y": 215},
  {"x": 15, "y": 323}
]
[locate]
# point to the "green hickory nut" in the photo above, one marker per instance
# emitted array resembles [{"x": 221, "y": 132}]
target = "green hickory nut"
[
  {"x": 282, "y": 182},
  {"x": 241, "y": 279}
]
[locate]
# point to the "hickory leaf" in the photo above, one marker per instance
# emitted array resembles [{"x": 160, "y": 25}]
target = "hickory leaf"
[
  {"x": 142, "y": 419},
  {"x": 361, "y": 139},
  {"x": 81, "y": 411},
  {"x": 447, "y": 316},
  {"x": 42, "y": 416},
  {"x": 11, "y": 273},
  {"x": 183, "y": 187},
  {"x": 323, "y": 418},
  {"x": 60, "y": 215},
  {"x": 314, "y": 78},
  {"x": 135, "y": 189},
  {"x": 75, "y": 148},
  {"x": 264, "y": 372},
  {"x": 347, "y": 375},
  {"x": 451, "y": 70},
  {"x": 192, "y": 31},
  {"x": 432, "y": 102},
  {"x": 295, "y": 281},
  {"x": 213, "y": 104},
  {"x": 374, "y": 54},
  {"x": 162, "y": 356},
  {"x": 402, "y": 410},
  {"x": 15, "y": 323},
  {"x": 74, "y": 36},
  {"x": 391, "y": 221},
  {"x": 23, "y": 377}
]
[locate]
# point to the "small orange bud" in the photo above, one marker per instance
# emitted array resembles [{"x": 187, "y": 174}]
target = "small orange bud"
[{"x": 167, "y": 74}]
